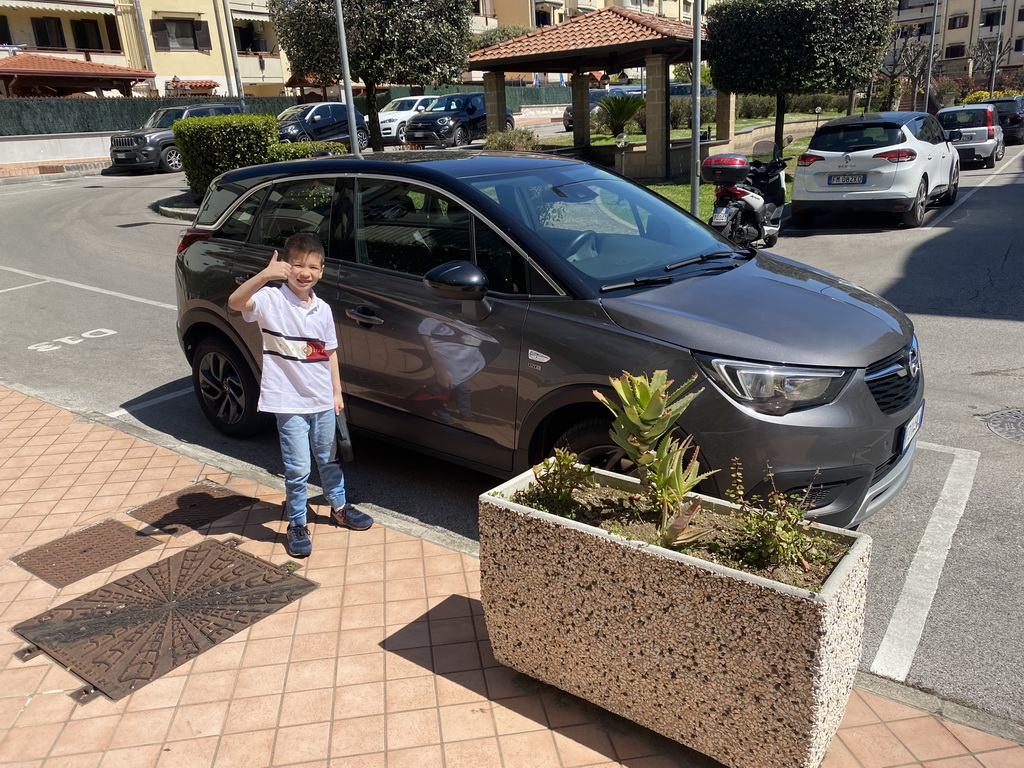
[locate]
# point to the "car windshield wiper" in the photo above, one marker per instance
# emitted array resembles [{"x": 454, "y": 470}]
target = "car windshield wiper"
[
  {"x": 652, "y": 280},
  {"x": 748, "y": 252}
]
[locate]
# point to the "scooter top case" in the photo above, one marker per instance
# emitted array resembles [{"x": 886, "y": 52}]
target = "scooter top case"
[{"x": 724, "y": 169}]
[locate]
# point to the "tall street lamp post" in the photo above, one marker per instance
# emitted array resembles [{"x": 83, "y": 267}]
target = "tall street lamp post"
[
  {"x": 995, "y": 50},
  {"x": 931, "y": 55}
]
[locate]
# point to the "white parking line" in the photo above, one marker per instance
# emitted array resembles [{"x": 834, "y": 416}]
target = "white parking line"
[
  {"x": 146, "y": 403},
  {"x": 47, "y": 279},
  {"x": 26, "y": 285},
  {"x": 1005, "y": 167},
  {"x": 906, "y": 626}
]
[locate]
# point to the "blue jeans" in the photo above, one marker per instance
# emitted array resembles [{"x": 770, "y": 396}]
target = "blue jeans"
[{"x": 299, "y": 432}]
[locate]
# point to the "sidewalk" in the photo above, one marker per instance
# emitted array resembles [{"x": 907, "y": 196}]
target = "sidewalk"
[{"x": 385, "y": 665}]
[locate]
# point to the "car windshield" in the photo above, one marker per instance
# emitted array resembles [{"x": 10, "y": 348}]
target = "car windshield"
[
  {"x": 449, "y": 103},
  {"x": 295, "y": 113},
  {"x": 609, "y": 230},
  {"x": 964, "y": 118},
  {"x": 400, "y": 105},
  {"x": 164, "y": 118},
  {"x": 854, "y": 137}
]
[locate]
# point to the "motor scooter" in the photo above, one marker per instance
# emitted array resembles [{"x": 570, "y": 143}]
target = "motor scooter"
[{"x": 750, "y": 195}]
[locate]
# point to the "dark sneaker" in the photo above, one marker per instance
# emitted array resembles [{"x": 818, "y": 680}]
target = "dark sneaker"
[
  {"x": 298, "y": 543},
  {"x": 350, "y": 517}
]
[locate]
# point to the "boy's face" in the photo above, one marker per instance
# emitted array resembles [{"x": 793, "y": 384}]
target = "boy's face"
[{"x": 306, "y": 271}]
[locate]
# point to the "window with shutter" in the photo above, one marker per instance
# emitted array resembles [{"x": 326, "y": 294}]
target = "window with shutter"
[
  {"x": 86, "y": 33},
  {"x": 202, "y": 35},
  {"x": 161, "y": 40},
  {"x": 5, "y": 32},
  {"x": 48, "y": 32},
  {"x": 113, "y": 37}
]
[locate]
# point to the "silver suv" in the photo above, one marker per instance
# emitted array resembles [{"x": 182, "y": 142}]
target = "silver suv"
[
  {"x": 481, "y": 299},
  {"x": 981, "y": 136}
]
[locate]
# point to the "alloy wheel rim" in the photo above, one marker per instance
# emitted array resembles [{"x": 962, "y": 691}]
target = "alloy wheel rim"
[
  {"x": 221, "y": 388},
  {"x": 174, "y": 159}
]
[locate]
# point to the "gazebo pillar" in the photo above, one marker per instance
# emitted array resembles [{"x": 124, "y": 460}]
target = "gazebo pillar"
[
  {"x": 725, "y": 116},
  {"x": 494, "y": 100},
  {"x": 581, "y": 109},
  {"x": 656, "y": 160}
]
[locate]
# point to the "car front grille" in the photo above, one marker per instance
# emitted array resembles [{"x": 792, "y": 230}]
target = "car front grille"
[
  {"x": 894, "y": 381},
  {"x": 122, "y": 142}
]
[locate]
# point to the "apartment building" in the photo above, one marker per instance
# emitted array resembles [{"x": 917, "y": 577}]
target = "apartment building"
[{"x": 966, "y": 31}]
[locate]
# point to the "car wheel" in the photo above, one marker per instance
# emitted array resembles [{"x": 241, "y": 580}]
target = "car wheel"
[
  {"x": 460, "y": 138},
  {"x": 990, "y": 161},
  {"x": 509, "y": 125},
  {"x": 1000, "y": 151},
  {"x": 363, "y": 138},
  {"x": 400, "y": 134},
  {"x": 592, "y": 444},
  {"x": 770, "y": 241},
  {"x": 304, "y": 138},
  {"x": 954, "y": 188},
  {"x": 914, "y": 216},
  {"x": 226, "y": 389},
  {"x": 170, "y": 160}
]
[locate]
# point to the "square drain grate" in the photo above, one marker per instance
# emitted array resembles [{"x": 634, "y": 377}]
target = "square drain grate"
[
  {"x": 134, "y": 630},
  {"x": 191, "y": 508},
  {"x": 83, "y": 553}
]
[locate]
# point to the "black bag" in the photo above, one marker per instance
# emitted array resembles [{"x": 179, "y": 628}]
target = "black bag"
[{"x": 342, "y": 448}]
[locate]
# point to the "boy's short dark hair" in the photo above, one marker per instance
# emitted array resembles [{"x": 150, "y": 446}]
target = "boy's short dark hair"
[{"x": 302, "y": 243}]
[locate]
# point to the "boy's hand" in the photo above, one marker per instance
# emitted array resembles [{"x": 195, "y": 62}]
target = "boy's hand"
[
  {"x": 277, "y": 270},
  {"x": 339, "y": 403}
]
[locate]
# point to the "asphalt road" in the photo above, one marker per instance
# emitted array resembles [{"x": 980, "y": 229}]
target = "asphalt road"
[{"x": 87, "y": 311}]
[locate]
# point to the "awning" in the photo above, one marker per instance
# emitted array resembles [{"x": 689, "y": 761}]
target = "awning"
[
  {"x": 250, "y": 15},
  {"x": 84, "y": 7}
]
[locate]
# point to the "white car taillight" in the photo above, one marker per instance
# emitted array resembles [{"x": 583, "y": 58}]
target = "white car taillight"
[{"x": 897, "y": 155}]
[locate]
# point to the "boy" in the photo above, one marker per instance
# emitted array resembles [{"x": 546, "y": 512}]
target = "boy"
[{"x": 301, "y": 382}]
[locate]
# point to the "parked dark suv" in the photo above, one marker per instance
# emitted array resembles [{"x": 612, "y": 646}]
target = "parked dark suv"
[
  {"x": 452, "y": 121},
  {"x": 1011, "y": 117},
  {"x": 480, "y": 299},
  {"x": 152, "y": 145},
  {"x": 320, "y": 121}
]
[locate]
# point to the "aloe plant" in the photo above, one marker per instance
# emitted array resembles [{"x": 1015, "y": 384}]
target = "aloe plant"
[
  {"x": 646, "y": 411},
  {"x": 671, "y": 481}
]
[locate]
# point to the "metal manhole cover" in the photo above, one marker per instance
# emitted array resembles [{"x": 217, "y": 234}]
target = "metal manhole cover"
[
  {"x": 83, "y": 553},
  {"x": 132, "y": 631},
  {"x": 191, "y": 508},
  {"x": 1008, "y": 424}
]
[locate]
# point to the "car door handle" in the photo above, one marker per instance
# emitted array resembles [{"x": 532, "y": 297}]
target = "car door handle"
[
  {"x": 363, "y": 318},
  {"x": 242, "y": 279}
]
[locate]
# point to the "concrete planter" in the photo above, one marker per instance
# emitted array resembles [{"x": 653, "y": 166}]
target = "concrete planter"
[{"x": 746, "y": 670}]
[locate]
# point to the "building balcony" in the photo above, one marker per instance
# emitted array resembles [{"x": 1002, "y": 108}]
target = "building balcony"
[
  {"x": 251, "y": 72},
  {"x": 478, "y": 23},
  {"x": 986, "y": 34}
]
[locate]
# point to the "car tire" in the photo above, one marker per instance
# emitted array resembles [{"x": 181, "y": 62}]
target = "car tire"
[
  {"x": 363, "y": 138},
  {"x": 914, "y": 216},
  {"x": 591, "y": 442},
  {"x": 226, "y": 389},
  {"x": 770, "y": 241},
  {"x": 400, "y": 134},
  {"x": 949, "y": 196},
  {"x": 509, "y": 125},
  {"x": 1000, "y": 152},
  {"x": 460, "y": 138},
  {"x": 170, "y": 160},
  {"x": 990, "y": 161},
  {"x": 304, "y": 138}
]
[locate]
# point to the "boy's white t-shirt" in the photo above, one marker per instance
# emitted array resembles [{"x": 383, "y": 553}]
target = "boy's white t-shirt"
[{"x": 296, "y": 341}]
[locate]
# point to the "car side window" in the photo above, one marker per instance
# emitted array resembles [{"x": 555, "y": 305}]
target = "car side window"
[
  {"x": 239, "y": 222},
  {"x": 916, "y": 126},
  {"x": 477, "y": 103},
  {"x": 302, "y": 205},
  {"x": 504, "y": 267}
]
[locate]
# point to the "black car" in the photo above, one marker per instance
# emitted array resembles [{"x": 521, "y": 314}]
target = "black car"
[
  {"x": 453, "y": 120},
  {"x": 1011, "y": 117},
  {"x": 320, "y": 121},
  {"x": 595, "y": 96},
  {"x": 481, "y": 298},
  {"x": 152, "y": 145}
]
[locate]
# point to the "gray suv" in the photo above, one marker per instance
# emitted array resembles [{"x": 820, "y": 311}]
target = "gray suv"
[
  {"x": 480, "y": 300},
  {"x": 152, "y": 146}
]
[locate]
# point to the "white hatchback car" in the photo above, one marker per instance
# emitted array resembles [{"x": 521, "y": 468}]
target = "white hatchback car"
[
  {"x": 397, "y": 113},
  {"x": 887, "y": 161}
]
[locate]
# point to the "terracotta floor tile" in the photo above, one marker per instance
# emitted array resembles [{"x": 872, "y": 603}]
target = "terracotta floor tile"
[
  {"x": 887, "y": 709},
  {"x": 375, "y": 760},
  {"x": 412, "y": 728},
  {"x": 255, "y": 713},
  {"x": 51, "y": 707},
  {"x": 223, "y": 657},
  {"x": 458, "y": 630},
  {"x": 411, "y": 662},
  {"x": 197, "y": 753},
  {"x": 415, "y": 635},
  {"x": 320, "y": 620},
  {"x": 438, "y": 564},
  {"x": 858, "y": 712},
  {"x": 245, "y": 750},
  {"x": 927, "y": 738},
  {"x": 634, "y": 743},
  {"x": 395, "y": 570},
  {"x": 475, "y": 753},
  {"x": 503, "y": 683},
  {"x": 208, "y": 687},
  {"x": 138, "y": 728},
  {"x": 460, "y": 722},
  {"x": 1003, "y": 758},
  {"x": 198, "y": 720},
  {"x": 307, "y": 675},
  {"x": 875, "y": 746},
  {"x": 405, "y": 611},
  {"x": 319, "y": 645},
  {"x": 91, "y": 760},
  {"x": 357, "y": 736},
  {"x": 366, "y": 668},
  {"x": 534, "y": 749},
  {"x": 410, "y": 693},
  {"x": 137, "y": 757},
  {"x": 362, "y": 700},
  {"x": 838, "y": 756},
  {"x": 359, "y": 616},
  {"x": 951, "y": 762},
  {"x": 313, "y": 706},
  {"x": 405, "y": 589},
  {"x": 452, "y": 606},
  {"x": 324, "y": 597},
  {"x": 583, "y": 745},
  {"x": 404, "y": 550},
  {"x": 975, "y": 740},
  {"x": 461, "y": 687},
  {"x": 519, "y": 714},
  {"x": 271, "y": 650},
  {"x": 456, "y": 657},
  {"x": 301, "y": 743},
  {"x": 564, "y": 709},
  {"x": 29, "y": 743}
]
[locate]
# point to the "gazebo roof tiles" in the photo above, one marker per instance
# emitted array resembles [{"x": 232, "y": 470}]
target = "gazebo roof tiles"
[{"x": 39, "y": 64}]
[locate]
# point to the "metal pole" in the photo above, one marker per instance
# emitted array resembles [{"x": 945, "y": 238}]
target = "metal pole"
[
  {"x": 234, "y": 54},
  {"x": 931, "y": 55},
  {"x": 695, "y": 94},
  {"x": 350, "y": 106},
  {"x": 995, "y": 51}
]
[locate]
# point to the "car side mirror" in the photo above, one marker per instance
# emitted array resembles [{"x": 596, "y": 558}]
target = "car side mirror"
[
  {"x": 460, "y": 281},
  {"x": 955, "y": 135},
  {"x": 420, "y": 108},
  {"x": 316, "y": 118}
]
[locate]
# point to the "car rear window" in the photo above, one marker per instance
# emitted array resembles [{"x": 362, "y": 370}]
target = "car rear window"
[
  {"x": 1007, "y": 107},
  {"x": 964, "y": 118},
  {"x": 853, "y": 137}
]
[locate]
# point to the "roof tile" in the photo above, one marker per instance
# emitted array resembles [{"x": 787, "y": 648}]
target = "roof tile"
[{"x": 38, "y": 64}]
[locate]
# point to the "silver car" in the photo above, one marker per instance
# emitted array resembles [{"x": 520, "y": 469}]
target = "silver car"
[{"x": 981, "y": 135}]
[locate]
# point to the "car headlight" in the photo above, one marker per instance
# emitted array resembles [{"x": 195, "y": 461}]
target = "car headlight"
[
  {"x": 389, "y": 120},
  {"x": 774, "y": 389},
  {"x": 443, "y": 120},
  {"x": 291, "y": 129}
]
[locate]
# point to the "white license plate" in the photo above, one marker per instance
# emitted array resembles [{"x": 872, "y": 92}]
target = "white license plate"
[
  {"x": 848, "y": 178},
  {"x": 417, "y": 134},
  {"x": 120, "y": 155},
  {"x": 910, "y": 431},
  {"x": 721, "y": 216}
]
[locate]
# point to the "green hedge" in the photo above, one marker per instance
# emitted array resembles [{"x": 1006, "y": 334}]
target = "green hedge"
[
  {"x": 212, "y": 145},
  {"x": 518, "y": 140},
  {"x": 296, "y": 150}
]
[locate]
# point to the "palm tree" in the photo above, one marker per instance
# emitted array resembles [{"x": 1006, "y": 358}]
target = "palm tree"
[{"x": 620, "y": 109}]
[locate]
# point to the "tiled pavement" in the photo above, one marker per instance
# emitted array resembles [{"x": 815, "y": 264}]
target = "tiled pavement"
[{"x": 386, "y": 665}]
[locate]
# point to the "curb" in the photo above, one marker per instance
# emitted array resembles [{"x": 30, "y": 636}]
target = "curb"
[{"x": 49, "y": 172}]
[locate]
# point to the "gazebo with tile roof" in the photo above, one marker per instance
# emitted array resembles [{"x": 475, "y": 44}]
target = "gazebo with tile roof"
[
  {"x": 32, "y": 74},
  {"x": 609, "y": 39}
]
